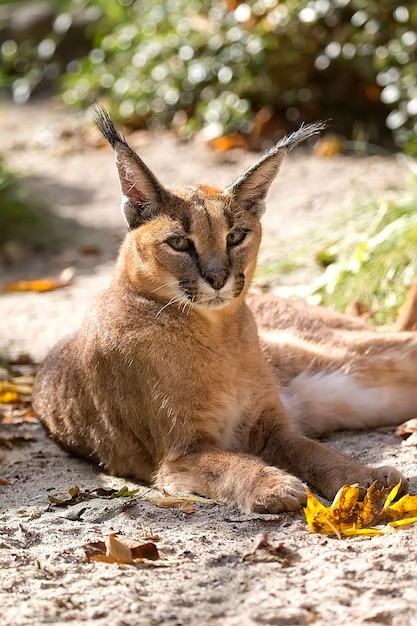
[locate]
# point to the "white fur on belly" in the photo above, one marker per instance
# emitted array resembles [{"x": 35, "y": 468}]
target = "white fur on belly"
[{"x": 321, "y": 402}]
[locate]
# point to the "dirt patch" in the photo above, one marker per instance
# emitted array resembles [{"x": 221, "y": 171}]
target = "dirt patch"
[{"x": 204, "y": 577}]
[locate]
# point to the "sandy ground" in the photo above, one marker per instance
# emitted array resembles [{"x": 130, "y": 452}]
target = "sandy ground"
[{"x": 206, "y": 575}]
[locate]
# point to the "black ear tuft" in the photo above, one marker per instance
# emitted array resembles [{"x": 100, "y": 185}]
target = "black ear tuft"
[
  {"x": 304, "y": 132},
  {"x": 103, "y": 122},
  {"x": 142, "y": 193},
  {"x": 250, "y": 189}
]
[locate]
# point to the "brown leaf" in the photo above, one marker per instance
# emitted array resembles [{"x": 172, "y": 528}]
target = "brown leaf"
[
  {"x": 17, "y": 434},
  {"x": 228, "y": 142},
  {"x": 121, "y": 550},
  {"x": 94, "y": 548},
  {"x": 77, "y": 496},
  {"x": 407, "y": 315},
  {"x": 263, "y": 550},
  {"x": 184, "y": 504},
  {"x": 90, "y": 250},
  {"x": 118, "y": 550},
  {"x": 411, "y": 441},
  {"x": 146, "y": 550},
  {"x": 407, "y": 429},
  {"x": 359, "y": 309},
  {"x": 150, "y": 536},
  {"x": 124, "y": 492},
  {"x": 18, "y": 413},
  {"x": 28, "y": 414},
  {"x": 329, "y": 146}
]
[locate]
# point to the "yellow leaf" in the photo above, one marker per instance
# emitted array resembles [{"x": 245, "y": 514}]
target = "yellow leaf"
[
  {"x": 339, "y": 516},
  {"x": 403, "y": 522},
  {"x": 392, "y": 495},
  {"x": 12, "y": 390},
  {"x": 367, "y": 532},
  {"x": 9, "y": 397},
  {"x": 404, "y": 508},
  {"x": 373, "y": 504},
  {"x": 349, "y": 515},
  {"x": 42, "y": 284}
]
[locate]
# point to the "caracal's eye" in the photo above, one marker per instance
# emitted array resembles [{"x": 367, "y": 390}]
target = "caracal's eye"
[
  {"x": 235, "y": 237},
  {"x": 180, "y": 244}
]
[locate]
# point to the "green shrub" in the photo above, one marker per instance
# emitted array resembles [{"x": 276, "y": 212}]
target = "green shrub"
[
  {"x": 375, "y": 259},
  {"x": 217, "y": 62},
  {"x": 21, "y": 220}
]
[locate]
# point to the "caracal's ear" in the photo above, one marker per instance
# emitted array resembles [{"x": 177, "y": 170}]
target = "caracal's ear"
[
  {"x": 142, "y": 193},
  {"x": 250, "y": 189}
]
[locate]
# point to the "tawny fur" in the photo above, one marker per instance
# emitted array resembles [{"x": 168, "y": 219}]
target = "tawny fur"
[
  {"x": 167, "y": 381},
  {"x": 334, "y": 370}
]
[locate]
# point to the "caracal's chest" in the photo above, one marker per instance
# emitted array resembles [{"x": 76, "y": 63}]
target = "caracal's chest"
[{"x": 219, "y": 387}]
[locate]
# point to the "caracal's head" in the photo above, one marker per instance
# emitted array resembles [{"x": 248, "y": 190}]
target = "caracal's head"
[{"x": 193, "y": 246}]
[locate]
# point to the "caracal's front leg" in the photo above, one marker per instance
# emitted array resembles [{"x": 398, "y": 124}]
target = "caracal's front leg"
[
  {"x": 234, "y": 478},
  {"x": 320, "y": 467}
]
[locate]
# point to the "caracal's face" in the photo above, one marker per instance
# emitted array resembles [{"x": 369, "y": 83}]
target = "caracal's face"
[{"x": 200, "y": 251}]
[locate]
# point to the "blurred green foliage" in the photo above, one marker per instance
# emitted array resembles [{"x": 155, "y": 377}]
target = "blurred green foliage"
[
  {"x": 374, "y": 260},
  {"x": 21, "y": 220},
  {"x": 364, "y": 260},
  {"x": 216, "y": 63}
]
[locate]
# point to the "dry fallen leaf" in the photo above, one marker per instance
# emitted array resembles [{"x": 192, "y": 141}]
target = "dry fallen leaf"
[
  {"x": 228, "y": 142},
  {"x": 121, "y": 550},
  {"x": 359, "y": 309},
  {"x": 168, "y": 502},
  {"x": 407, "y": 315},
  {"x": 263, "y": 550},
  {"x": 150, "y": 536},
  {"x": 17, "y": 423},
  {"x": 11, "y": 391},
  {"x": 184, "y": 504},
  {"x": 8, "y": 397},
  {"x": 349, "y": 515},
  {"x": 19, "y": 413},
  {"x": 329, "y": 146},
  {"x": 16, "y": 384},
  {"x": 407, "y": 429},
  {"x": 17, "y": 434},
  {"x": 77, "y": 496},
  {"x": 42, "y": 284},
  {"x": 90, "y": 250}
]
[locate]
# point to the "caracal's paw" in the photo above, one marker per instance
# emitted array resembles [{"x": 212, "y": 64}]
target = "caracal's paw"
[
  {"x": 278, "y": 492},
  {"x": 386, "y": 476}
]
